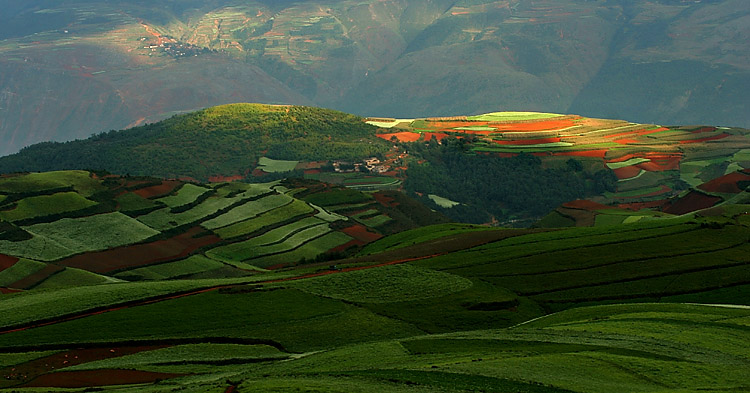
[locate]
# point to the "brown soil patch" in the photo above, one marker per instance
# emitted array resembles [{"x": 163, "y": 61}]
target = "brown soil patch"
[
  {"x": 627, "y": 172},
  {"x": 636, "y": 206},
  {"x": 691, "y": 202},
  {"x": 8, "y": 291},
  {"x": 80, "y": 379},
  {"x": 385, "y": 200},
  {"x": 28, "y": 374},
  {"x": 34, "y": 279},
  {"x": 225, "y": 179},
  {"x": 583, "y": 204},
  {"x": 166, "y": 187},
  {"x": 120, "y": 258},
  {"x": 361, "y": 233},
  {"x": 728, "y": 184},
  {"x": 7, "y": 261}
]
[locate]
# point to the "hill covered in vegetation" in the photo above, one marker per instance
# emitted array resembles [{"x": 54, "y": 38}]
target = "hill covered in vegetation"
[{"x": 226, "y": 140}]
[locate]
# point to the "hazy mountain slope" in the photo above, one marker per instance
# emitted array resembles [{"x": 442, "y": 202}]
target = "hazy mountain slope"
[{"x": 661, "y": 61}]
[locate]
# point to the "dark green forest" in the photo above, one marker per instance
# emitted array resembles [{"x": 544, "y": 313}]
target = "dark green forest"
[{"x": 509, "y": 189}]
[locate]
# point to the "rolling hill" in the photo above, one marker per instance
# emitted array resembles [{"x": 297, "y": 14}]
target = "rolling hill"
[
  {"x": 70, "y": 69},
  {"x": 452, "y": 307}
]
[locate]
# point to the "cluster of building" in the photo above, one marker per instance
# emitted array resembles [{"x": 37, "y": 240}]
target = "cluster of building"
[{"x": 372, "y": 165}]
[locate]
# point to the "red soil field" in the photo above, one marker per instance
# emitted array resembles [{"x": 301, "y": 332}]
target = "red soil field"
[
  {"x": 636, "y": 206},
  {"x": 659, "y": 161},
  {"x": 34, "y": 279},
  {"x": 30, "y": 371},
  {"x": 544, "y": 125},
  {"x": 528, "y": 141},
  {"x": 437, "y": 135},
  {"x": 104, "y": 377},
  {"x": 8, "y": 291},
  {"x": 401, "y": 136},
  {"x": 7, "y": 261},
  {"x": 583, "y": 204},
  {"x": 176, "y": 247},
  {"x": 691, "y": 202},
  {"x": 312, "y": 171},
  {"x": 166, "y": 187},
  {"x": 726, "y": 184},
  {"x": 225, "y": 179},
  {"x": 359, "y": 232},
  {"x": 627, "y": 172},
  {"x": 710, "y": 138},
  {"x": 626, "y": 141}
]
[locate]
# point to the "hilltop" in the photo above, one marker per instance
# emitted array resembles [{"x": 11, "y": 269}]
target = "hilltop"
[
  {"x": 72, "y": 68},
  {"x": 227, "y": 141}
]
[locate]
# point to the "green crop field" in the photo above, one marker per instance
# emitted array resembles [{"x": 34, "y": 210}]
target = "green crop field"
[
  {"x": 419, "y": 235},
  {"x": 274, "y": 166},
  {"x": 305, "y": 251},
  {"x": 277, "y": 240},
  {"x": 190, "y": 353},
  {"x": 164, "y": 219},
  {"x": 19, "y": 270},
  {"x": 70, "y": 236},
  {"x": 80, "y": 181},
  {"x": 45, "y": 205},
  {"x": 292, "y": 210},
  {"x": 248, "y": 210},
  {"x": 385, "y": 285},
  {"x": 338, "y": 197},
  {"x": 513, "y": 116},
  {"x": 70, "y": 277},
  {"x": 192, "y": 265},
  {"x": 186, "y": 195}
]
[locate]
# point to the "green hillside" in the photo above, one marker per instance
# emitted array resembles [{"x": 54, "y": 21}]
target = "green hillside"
[
  {"x": 648, "y": 306},
  {"x": 226, "y": 140}
]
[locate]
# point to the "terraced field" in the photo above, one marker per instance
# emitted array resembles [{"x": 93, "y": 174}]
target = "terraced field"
[
  {"x": 74, "y": 228},
  {"x": 642, "y": 156},
  {"x": 445, "y": 308}
]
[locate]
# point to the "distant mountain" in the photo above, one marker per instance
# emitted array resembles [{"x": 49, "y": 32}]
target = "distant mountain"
[{"x": 69, "y": 69}]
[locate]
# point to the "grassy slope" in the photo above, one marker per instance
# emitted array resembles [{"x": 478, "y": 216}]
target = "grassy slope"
[{"x": 369, "y": 325}]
